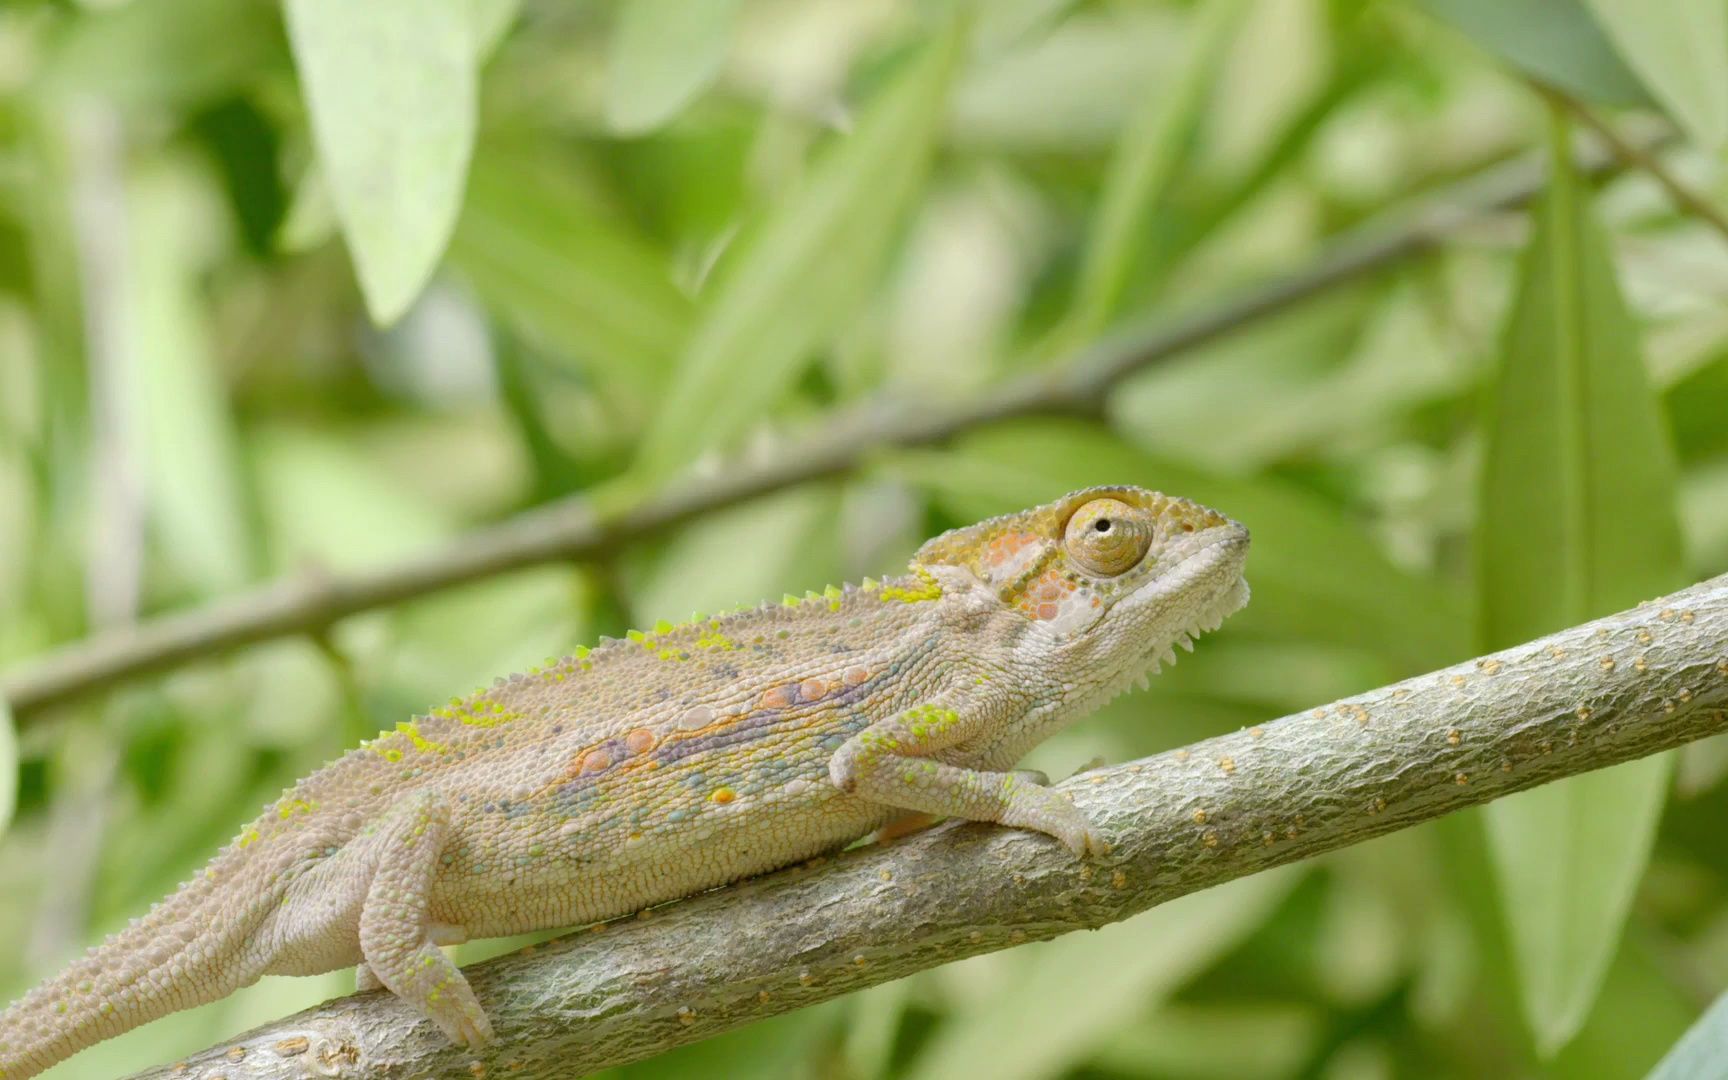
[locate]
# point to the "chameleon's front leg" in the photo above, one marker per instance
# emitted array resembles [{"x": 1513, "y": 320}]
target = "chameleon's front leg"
[
  {"x": 889, "y": 762},
  {"x": 398, "y": 939}
]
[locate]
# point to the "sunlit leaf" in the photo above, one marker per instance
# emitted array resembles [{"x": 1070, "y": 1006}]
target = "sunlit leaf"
[
  {"x": 1577, "y": 520},
  {"x": 1679, "y": 48},
  {"x": 543, "y": 252},
  {"x": 1555, "y": 40},
  {"x": 1241, "y": 1038},
  {"x": 1078, "y": 989},
  {"x": 491, "y": 21},
  {"x": 8, "y": 767},
  {"x": 1702, "y": 1053},
  {"x": 1142, "y": 165},
  {"x": 805, "y": 268},
  {"x": 664, "y": 53},
  {"x": 390, "y": 86},
  {"x": 159, "y": 55},
  {"x": 872, "y": 1024},
  {"x": 188, "y": 447},
  {"x": 311, "y": 217},
  {"x": 327, "y": 504},
  {"x": 770, "y": 546}
]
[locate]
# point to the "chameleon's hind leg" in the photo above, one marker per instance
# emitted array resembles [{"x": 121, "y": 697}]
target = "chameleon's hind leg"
[
  {"x": 398, "y": 939},
  {"x": 365, "y": 979}
]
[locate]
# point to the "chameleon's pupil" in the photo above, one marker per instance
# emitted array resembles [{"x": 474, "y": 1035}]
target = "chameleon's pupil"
[{"x": 1102, "y": 525}]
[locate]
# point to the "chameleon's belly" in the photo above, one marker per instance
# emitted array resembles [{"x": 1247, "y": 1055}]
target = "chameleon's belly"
[{"x": 574, "y": 879}]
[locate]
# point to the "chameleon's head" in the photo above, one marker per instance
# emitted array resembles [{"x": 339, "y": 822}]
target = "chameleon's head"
[{"x": 1109, "y": 579}]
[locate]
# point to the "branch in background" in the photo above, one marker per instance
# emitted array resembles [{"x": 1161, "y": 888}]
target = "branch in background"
[
  {"x": 573, "y": 529},
  {"x": 1596, "y": 695},
  {"x": 1642, "y": 157}
]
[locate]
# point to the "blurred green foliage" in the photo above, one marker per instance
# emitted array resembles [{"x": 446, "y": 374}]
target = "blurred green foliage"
[{"x": 599, "y": 244}]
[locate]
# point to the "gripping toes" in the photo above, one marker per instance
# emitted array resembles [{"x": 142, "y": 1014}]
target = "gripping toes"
[
  {"x": 398, "y": 938},
  {"x": 1044, "y": 810}
]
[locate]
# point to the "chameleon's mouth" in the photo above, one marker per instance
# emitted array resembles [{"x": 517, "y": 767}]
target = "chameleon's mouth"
[
  {"x": 1220, "y": 558},
  {"x": 1230, "y": 601}
]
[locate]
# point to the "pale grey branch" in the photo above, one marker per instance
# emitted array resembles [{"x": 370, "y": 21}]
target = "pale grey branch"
[{"x": 1616, "y": 689}]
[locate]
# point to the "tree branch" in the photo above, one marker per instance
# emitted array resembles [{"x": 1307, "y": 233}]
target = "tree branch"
[
  {"x": 573, "y": 529},
  {"x": 1643, "y": 157},
  {"x": 1619, "y": 688}
]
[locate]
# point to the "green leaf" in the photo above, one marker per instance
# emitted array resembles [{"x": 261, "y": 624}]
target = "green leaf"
[
  {"x": 664, "y": 53},
  {"x": 549, "y": 256},
  {"x": 8, "y": 767},
  {"x": 159, "y": 56},
  {"x": 1075, "y": 991},
  {"x": 806, "y": 269},
  {"x": 1141, "y": 168},
  {"x": 1680, "y": 50},
  {"x": 1701, "y": 1053},
  {"x": 1577, "y": 519},
  {"x": 782, "y": 543},
  {"x": 1554, "y": 40},
  {"x": 390, "y": 86},
  {"x": 187, "y": 442},
  {"x": 491, "y": 21}
]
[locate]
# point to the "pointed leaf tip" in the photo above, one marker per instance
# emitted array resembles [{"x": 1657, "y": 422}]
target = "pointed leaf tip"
[
  {"x": 390, "y": 87},
  {"x": 1555, "y": 552}
]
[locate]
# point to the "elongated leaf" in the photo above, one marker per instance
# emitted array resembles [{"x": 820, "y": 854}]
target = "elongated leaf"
[
  {"x": 491, "y": 21},
  {"x": 390, "y": 86},
  {"x": 664, "y": 53},
  {"x": 1554, "y": 40},
  {"x": 806, "y": 269},
  {"x": 8, "y": 767},
  {"x": 1702, "y": 1053},
  {"x": 1142, "y": 166},
  {"x": 571, "y": 276},
  {"x": 1679, "y": 48},
  {"x": 1577, "y": 519},
  {"x": 188, "y": 445},
  {"x": 1080, "y": 988}
]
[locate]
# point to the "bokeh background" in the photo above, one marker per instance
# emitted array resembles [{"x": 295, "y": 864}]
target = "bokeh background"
[{"x": 318, "y": 287}]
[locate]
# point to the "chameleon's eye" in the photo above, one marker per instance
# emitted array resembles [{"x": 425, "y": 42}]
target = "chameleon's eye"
[{"x": 1106, "y": 536}]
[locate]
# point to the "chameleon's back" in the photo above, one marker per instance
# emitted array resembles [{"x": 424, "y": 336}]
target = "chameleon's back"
[{"x": 677, "y": 760}]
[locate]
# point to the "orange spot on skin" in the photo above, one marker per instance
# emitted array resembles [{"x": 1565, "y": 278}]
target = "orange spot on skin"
[
  {"x": 812, "y": 690},
  {"x": 1049, "y": 610},
  {"x": 723, "y": 795},
  {"x": 1010, "y": 553},
  {"x": 779, "y": 697},
  {"x": 856, "y": 675},
  {"x": 596, "y": 761},
  {"x": 639, "y": 741}
]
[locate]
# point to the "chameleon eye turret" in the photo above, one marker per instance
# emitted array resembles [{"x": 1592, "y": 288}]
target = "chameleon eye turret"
[{"x": 1107, "y": 536}]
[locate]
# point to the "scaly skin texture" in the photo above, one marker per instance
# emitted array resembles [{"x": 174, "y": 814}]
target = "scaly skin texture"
[{"x": 677, "y": 760}]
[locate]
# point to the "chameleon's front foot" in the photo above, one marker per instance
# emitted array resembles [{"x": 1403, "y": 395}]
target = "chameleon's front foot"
[
  {"x": 1049, "y": 811},
  {"x": 884, "y": 763}
]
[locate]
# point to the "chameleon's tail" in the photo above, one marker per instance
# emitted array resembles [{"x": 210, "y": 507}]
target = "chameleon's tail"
[{"x": 161, "y": 963}]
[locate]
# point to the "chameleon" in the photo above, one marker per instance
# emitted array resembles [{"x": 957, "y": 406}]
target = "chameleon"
[{"x": 673, "y": 761}]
